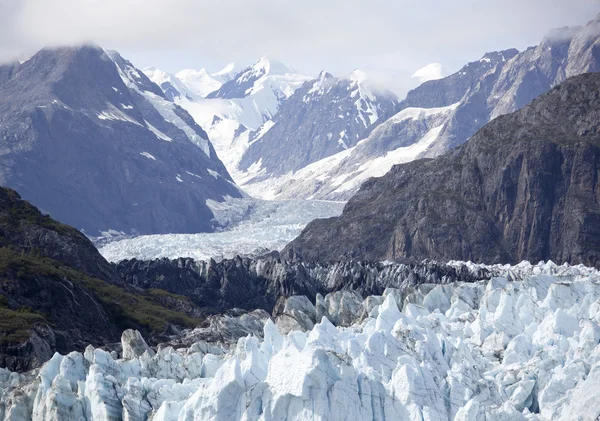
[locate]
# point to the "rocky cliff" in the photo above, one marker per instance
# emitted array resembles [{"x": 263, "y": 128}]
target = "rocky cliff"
[{"x": 525, "y": 187}]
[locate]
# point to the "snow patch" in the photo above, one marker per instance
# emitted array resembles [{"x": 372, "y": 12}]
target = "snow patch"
[{"x": 148, "y": 155}]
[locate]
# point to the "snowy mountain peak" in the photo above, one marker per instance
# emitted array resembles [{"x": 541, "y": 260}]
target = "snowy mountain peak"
[
  {"x": 324, "y": 75},
  {"x": 199, "y": 82},
  {"x": 191, "y": 73},
  {"x": 358, "y": 76},
  {"x": 169, "y": 83},
  {"x": 227, "y": 73},
  {"x": 265, "y": 73},
  {"x": 264, "y": 66}
]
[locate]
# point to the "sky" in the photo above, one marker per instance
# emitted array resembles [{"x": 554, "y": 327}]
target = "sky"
[{"x": 389, "y": 39}]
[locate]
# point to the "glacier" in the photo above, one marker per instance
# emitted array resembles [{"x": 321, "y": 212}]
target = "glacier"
[
  {"x": 249, "y": 225},
  {"x": 523, "y": 346}
]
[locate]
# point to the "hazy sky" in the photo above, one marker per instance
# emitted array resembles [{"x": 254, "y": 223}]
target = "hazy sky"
[{"x": 388, "y": 38}]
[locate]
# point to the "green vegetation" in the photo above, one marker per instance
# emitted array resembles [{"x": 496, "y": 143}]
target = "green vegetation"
[
  {"x": 15, "y": 324},
  {"x": 145, "y": 310},
  {"x": 22, "y": 213}
]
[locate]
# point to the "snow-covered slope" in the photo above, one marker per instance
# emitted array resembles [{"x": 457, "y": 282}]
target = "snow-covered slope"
[
  {"x": 526, "y": 349},
  {"x": 252, "y": 225},
  {"x": 199, "y": 81},
  {"x": 399, "y": 139},
  {"x": 242, "y": 105},
  {"x": 169, "y": 83},
  {"x": 325, "y": 116}
]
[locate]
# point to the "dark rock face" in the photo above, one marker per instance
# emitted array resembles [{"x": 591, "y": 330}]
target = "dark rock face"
[
  {"x": 258, "y": 283},
  {"x": 238, "y": 86},
  {"x": 91, "y": 140},
  {"x": 323, "y": 117},
  {"x": 525, "y": 187}
]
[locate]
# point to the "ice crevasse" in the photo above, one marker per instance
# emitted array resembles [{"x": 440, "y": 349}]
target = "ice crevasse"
[{"x": 491, "y": 350}]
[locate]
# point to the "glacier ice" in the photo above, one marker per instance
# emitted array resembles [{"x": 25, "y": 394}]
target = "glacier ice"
[
  {"x": 250, "y": 225},
  {"x": 525, "y": 346}
]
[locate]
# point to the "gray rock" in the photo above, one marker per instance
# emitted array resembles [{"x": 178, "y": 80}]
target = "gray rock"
[
  {"x": 223, "y": 330},
  {"x": 134, "y": 345},
  {"x": 294, "y": 313},
  {"x": 520, "y": 189},
  {"x": 78, "y": 138},
  {"x": 344, "y": 308}
]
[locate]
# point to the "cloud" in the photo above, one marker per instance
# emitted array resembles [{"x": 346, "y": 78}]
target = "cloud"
[
  {"x": 432, "y": 71},
  {"x": 393, "y": 36}
]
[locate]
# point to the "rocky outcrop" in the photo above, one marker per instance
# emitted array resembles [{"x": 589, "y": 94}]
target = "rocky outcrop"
[
  {"x": 133, "y": 345},
  {"x": 258, "y": 283},
  {"x": 25, "y": 229},
  {"x": 523, "y": 188}
]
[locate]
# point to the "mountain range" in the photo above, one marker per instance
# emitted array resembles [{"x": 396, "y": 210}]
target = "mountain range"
[
  {"x": 300, "y": 146},
  {"x": 442, "y": 114},
  {"x": 524, "y": 187}
]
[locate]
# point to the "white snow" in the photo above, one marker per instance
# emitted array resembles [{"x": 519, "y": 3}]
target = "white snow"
[
  {"x": 158, "y": 133},
  {"x": 491, "y": 350},
  {"x": 250, "y": 225},
  {"x": 222, "y": 118},
  {"x": 160, "y": 77},
  {"x": 199, "y": 82},
  {"x": 263, "y": 130},
  {"x": 115, "y": 114},
  {"x": 378, "y": 167},
  {"x": 432, "y": 71},
  {"x": 330, "y": 178},
  {"x": 213, "y": 173},
  {"x": 227, "y": 73},
  {"x": 148, "y": 155}
]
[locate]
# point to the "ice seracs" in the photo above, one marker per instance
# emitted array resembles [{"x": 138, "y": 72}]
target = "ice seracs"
[{"x": 525, "y": 349}]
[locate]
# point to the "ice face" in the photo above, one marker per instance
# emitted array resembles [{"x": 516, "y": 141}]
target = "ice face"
[{"x": 526, "y": 349}]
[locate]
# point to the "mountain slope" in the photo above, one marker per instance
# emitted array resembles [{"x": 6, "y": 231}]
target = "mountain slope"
[
  {"x": 562, "y": 53},
  {"x": 523, "y": 188},
  {"x": 325, "y": 116},
  {"x": 240, "y": 107},
  {"x": 91, "y": 140},
  {"x": 58, "y": 294}
]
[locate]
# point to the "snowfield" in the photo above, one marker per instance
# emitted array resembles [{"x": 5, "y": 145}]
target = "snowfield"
[
  {"x": 491, "y": 350},
  {"x": 251, "y": 225}
]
